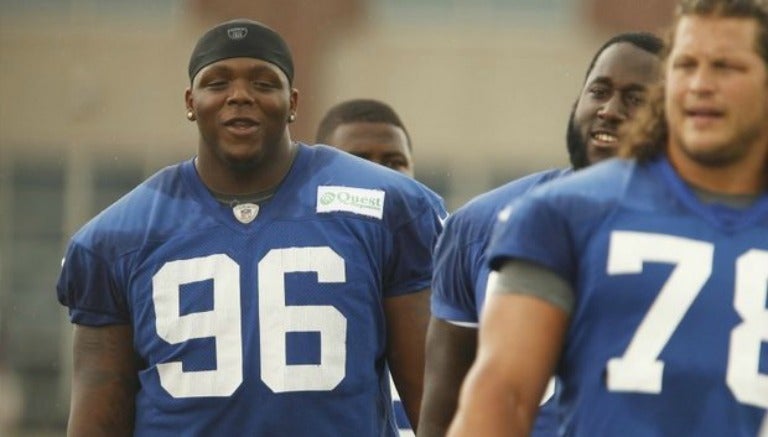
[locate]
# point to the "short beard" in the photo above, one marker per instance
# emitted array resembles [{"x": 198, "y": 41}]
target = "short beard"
[
  {"x": 242, "y": 166},
  {"x": 723, "y": 156},
  {"x": 716, "y": 158},
  {"x": 577, "y": 148}
]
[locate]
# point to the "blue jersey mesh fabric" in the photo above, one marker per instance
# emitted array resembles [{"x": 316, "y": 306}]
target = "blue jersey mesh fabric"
[
  {"x": 274, "y": 327},
  {"x": 461, "y": 273},
  {"x": 668, "y": 335}
]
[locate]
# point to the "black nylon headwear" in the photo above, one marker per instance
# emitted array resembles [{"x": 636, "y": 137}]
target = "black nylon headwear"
[{"x": 241, "y": 39}]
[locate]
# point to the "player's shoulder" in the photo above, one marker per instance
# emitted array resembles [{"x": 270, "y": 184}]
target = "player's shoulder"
[
  {"x": 337, "y": 173},
  {"x": 602, "y": 182},
  {"x": 124, "y": 224},
  {"x": 493, "y": 200},
  {"x": 485, "y": 207},
  {"x": 587, "y": 196},
  {"x": 330, "y": 162}
]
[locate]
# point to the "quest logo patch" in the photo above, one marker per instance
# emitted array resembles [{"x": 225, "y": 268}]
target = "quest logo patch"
[{"x": 355, "y": 200}]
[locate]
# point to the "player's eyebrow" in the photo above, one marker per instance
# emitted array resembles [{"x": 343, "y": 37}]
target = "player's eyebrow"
[
  {"x": 601, "y": 80},
  {"x": 605, "y": 80}
]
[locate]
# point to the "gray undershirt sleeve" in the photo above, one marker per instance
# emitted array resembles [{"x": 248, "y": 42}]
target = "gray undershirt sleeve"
[{"x": 523, "y": 277}]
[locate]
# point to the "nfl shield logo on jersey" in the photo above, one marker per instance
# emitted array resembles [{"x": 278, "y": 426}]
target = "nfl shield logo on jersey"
[{"x": 245, "y": 212}]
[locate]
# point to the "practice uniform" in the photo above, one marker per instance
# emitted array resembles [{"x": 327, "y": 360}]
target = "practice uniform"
[
  {"x": 668, "y": 333},
  {"x": 461, "y": 273},
  {"x": 273, "y": 327}
]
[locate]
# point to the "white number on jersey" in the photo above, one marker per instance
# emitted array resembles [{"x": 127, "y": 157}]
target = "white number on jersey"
[
  {"x": 276, "y": 319},
  {"x": 639, "y": 369},
  {"x": 221, "y": 323}
]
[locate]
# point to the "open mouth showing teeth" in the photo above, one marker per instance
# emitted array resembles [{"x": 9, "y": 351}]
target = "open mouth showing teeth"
[{"x": 604, "y": 137}]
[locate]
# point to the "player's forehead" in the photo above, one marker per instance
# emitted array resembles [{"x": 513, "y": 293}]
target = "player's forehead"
[
  {"x": 363, "y": 135},
  {"x": 624, "y": 64},
  {"x": 715, "y": 36}
]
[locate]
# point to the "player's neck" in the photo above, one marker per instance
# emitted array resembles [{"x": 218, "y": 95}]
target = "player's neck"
[
  {"x": 233, "y": 200},
  {"x": 264, "y": 177},
  {"x": 746, "y": 177}
]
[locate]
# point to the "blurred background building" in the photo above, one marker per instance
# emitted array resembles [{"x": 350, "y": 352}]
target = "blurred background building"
[{"x": 91, "y": 103}]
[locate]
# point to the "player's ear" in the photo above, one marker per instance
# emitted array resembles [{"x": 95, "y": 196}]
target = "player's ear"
[
  {"x": 294, "y": 100},
  {"x": 188, "y": 104}
]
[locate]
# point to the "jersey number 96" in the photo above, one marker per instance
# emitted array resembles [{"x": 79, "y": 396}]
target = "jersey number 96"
[{"x": 276, "y": 319}]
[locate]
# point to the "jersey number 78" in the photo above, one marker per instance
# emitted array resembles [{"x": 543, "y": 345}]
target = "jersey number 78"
[{"x": 639, "y": 369}]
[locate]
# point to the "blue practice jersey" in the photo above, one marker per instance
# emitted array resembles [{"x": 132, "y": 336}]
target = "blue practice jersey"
[
  {"x": 669, "y": 333},
  {"x": 275, "y": 327},
  {"x": 461, "y": 273}
]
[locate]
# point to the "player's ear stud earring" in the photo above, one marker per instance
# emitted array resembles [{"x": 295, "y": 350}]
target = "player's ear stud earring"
[
  {"x": 291, "y": 118},
  {"x": 190, "y": 115}
]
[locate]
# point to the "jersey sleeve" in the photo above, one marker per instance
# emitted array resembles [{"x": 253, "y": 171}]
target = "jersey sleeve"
[
  {"x": 457, "y": 263},
  {"x": 523, "y": 277},
  {"x": 410, "y": 267},
  {"x": 534, "y": 230},
  {"x": 88, "y": 287}
]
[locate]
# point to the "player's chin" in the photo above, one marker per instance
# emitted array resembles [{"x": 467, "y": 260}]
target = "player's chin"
[
  {"x": 602, "y": 153},
  {"x": 714, "y": 154},
  {"x": 242, "y": 158}
]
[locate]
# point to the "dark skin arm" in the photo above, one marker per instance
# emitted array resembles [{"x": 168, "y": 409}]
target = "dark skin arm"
[
  {"x": 407, "y": 320},
  {"x": 450, "y": 353},
  {"x": 520, "y": 340},
  {"x": 104, "y": 382}
]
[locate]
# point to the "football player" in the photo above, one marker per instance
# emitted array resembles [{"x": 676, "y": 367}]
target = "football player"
[
  {"x": 261, "y": 287},
  {"x": 643, "y": 283}
]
